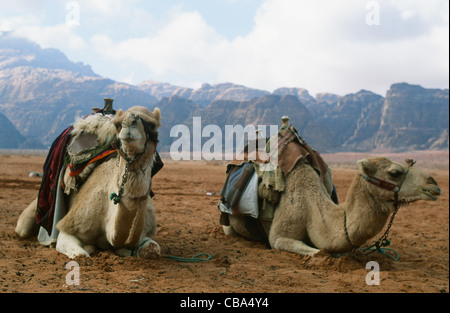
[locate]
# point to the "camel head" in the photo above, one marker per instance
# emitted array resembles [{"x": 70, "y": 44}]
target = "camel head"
[
  {"x": 136, "y": 130},
  {"x": 384, "y": 178}
]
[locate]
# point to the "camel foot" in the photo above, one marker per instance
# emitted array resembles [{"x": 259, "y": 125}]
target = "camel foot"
[{"x": 149, "y": 250}]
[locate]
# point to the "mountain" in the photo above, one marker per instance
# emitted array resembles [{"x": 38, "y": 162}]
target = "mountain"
[
  {"x": 301, "y": 93},
  {"x": 11, "y": 138},
  {"x": 414, "y": 117},
  {"x": 268, "y": 110},
  {"x": 409, "y": 117},
  {"x": 205, "y": 94},
  {"x": 174, "y": 110},
  {"x": 17, "y": 52},
  {"x": 353, "y": 120},
  {"x": 42, "y": 92}
]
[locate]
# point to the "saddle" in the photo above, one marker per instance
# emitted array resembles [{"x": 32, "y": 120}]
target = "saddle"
[{"x": 241, "y": 173}]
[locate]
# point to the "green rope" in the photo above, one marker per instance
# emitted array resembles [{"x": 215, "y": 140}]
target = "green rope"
[
  {"x": 377, "y": 246},
  {"x": 115, "y": 197},
  {"x": 195, "y": 258}
]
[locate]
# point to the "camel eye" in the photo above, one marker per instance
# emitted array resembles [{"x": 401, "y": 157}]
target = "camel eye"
[{"x": 395, "y": 173}]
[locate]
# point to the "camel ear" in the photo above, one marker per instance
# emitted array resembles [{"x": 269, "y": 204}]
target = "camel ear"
[
  {"x": 367, "y": 167},
  {"x": 118, "y": 119},
  {"x": 157, "y": 115}
]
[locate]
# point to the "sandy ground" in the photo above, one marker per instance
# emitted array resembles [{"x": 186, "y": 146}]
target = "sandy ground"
[{"x": 188, "y": 224}]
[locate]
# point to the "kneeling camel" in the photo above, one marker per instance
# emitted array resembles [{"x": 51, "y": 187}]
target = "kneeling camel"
[{"x": 306, "y": 220}]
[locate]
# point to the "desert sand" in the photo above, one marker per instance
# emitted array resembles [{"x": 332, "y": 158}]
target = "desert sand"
[{"x": 186, "y": 198}]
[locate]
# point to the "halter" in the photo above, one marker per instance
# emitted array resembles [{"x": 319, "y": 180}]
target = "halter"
[
  {"x": 149, "y": 137},
  {"x": 383, "y": 184}
]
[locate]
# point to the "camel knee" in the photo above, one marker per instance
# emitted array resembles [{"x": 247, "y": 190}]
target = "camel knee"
[
  {"x": 70, "y": 245},
  {"x": 292, "y": 245},
  {"x": 26, "y": 225}
]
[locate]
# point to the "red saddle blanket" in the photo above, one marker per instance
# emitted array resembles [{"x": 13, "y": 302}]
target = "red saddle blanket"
[{"x": 47, "y": 191}]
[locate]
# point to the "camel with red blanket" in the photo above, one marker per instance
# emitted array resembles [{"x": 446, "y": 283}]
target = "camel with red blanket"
[{"x": 112, "y": 209}]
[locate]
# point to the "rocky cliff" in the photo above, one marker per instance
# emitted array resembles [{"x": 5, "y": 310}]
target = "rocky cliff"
[
  {"x": 413, "y": 117},
  {"x": 42, "y": 92}
]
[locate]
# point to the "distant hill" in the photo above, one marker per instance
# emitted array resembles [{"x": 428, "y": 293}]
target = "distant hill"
[
  {"x": 10, "y": 137},
  {"x": 409, "y": 117},
  {"x": 205, "y": 94},
  {"x": 42, "y": 92},
  {"x": 414, "y": 117}
]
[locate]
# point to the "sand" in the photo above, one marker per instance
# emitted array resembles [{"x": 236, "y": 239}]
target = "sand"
[{"x": 186, "y": 198}]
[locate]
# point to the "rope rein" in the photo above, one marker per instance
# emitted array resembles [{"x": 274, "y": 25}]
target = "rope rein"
[
  {"x": 383, "y": 241},
  {"x": 196, "y": 258},
  {"x": 117, "y": 197}
]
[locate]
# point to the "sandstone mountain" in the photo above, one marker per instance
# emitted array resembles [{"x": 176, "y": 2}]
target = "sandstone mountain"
[
  {"x": 11, "y": 138},
  {"x": 42, "y": 93},
  {"x": 414, "y": 117},
  {"x": 363, "y": 121},
  {"x": 205, "y": 94}
]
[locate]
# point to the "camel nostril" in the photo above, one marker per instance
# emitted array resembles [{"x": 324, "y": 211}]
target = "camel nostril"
[{"x": 431, "y": 181}]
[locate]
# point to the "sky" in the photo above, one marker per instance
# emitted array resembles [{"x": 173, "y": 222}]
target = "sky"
[{"x": 337, "y": 46}]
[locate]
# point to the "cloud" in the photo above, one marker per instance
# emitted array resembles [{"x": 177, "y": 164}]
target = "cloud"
[
  {"x": 320, "y": 45},
  {"x": 61, "y": 35},
  {"x": 186, "y": 46}
]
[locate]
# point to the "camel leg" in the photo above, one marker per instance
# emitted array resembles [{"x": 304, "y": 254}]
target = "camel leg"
[
  {"x": 293, "y": 245},
  {"x": 150, "y": 249},
  {"x": 26, "y": 225},
  {"x": 228, "y": 230},
  {"x": 70, "y": 245}
]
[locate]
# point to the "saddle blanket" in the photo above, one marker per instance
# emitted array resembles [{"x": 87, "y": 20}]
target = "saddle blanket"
[{"x": 239, "y": 194}]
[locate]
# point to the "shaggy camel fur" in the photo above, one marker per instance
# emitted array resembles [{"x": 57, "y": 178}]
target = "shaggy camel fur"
[
  {"x": 93, "y": 220},
  {"x": 306, "y": 220}
]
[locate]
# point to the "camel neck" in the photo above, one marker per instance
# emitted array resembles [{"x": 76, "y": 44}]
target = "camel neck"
[
  {"x": 138, "y": 171},
  {"x": 365, "y": 215},
  {"x": 129, "y": 219}
]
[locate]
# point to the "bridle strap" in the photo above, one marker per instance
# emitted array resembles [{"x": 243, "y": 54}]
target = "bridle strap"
[{"x": 381, "y": 183}]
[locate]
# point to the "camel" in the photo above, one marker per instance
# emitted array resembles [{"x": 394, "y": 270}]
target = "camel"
[
  {"x": 307, "y": 221},
  {"x": 113, "y": 208}
]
